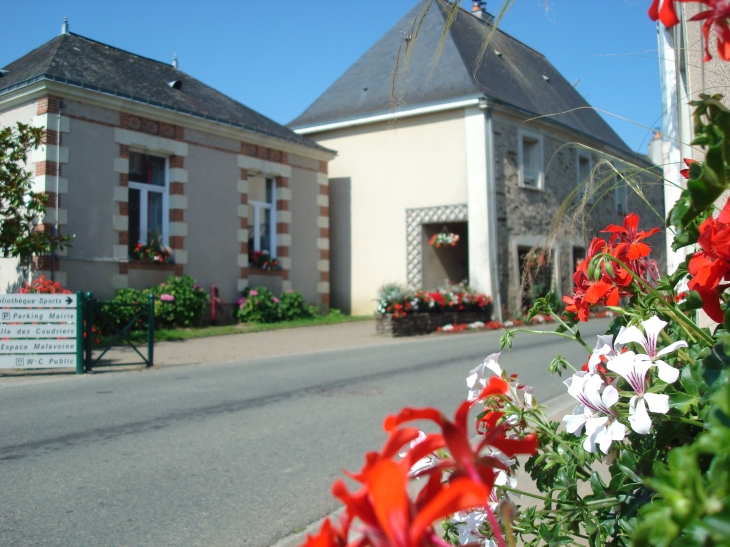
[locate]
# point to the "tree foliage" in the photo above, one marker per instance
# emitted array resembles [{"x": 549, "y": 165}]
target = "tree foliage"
[{"x": 21, "y": 209}]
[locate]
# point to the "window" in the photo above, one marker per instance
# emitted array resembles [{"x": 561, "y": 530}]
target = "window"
[
  {"x": 584, "y": 176},
  {"x": 262, "y": 216},
  {"x": 530, "y": 153},
  {"x": 579, "y": 255},
  {"x": 620, "y": 194},
  {"x": 148, "y": 218}
]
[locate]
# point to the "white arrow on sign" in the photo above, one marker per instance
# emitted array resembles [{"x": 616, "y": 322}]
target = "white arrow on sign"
[{"x": 37, "y": 300}]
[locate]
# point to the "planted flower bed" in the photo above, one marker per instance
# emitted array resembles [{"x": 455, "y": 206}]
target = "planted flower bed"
[{"x": 409, "y": 313}]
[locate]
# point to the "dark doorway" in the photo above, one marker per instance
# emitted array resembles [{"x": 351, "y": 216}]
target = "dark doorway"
[
  {"x": 536, "y": 274},
  {"x": 445, "y": 264},
  {"x": 340, "y": 244}
]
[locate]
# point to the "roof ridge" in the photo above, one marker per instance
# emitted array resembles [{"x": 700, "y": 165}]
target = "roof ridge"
[
  {"x": 169, "y": 65},
  {"x": 497, "y": 29},
  {"x": 52, "y": 56}
]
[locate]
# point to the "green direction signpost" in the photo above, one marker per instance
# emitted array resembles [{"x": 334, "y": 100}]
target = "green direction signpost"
[{"x": 41, "y": 331}]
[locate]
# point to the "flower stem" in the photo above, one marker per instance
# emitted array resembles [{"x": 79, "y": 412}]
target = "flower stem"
[
  {"x": 568, "y": 336},
  {"x": 495, "y": 526}
]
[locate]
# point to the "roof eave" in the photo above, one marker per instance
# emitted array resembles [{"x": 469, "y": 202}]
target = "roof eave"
[
  {"x": 37, "y": 85},
  {"x": 390, "y": 115}
]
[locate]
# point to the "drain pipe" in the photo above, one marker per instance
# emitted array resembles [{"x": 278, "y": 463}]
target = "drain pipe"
[{"x": 58, "y": 174}]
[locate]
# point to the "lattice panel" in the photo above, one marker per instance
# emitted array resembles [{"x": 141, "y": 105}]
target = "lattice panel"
[{"x": 414, "y": 219}]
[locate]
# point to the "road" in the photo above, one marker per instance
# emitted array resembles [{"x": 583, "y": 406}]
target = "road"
[{"x": 235, "y": 454}]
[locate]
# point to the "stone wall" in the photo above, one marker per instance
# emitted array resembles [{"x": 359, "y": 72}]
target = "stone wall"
[{"x": 554, "y": 218}]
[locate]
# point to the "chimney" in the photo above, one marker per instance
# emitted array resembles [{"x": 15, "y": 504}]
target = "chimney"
[
  {"x": 64, "y": 26},
  {"x": 174, "y": 61},
  {"x": 478, "y": 9},
  {"x": 656, "y": 149}
]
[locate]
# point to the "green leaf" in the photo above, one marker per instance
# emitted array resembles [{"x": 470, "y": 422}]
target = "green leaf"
[
  {"x": 682, "y": 401},
  {"x": 559, "y": 364},
  {"x": 505, "y": 341},
  {"x": 691, "y": 380},
  {"x": 692, "y": 301}
]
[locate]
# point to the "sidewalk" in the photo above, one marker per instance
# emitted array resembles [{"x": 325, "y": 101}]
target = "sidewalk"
[{"x": 231, "y": 347}]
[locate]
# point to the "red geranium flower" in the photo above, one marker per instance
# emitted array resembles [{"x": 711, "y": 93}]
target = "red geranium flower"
[
  {"x": 711, "y": 265},
  {"x": 715, "y": 17},
  {"x": 687, "y": 162}
]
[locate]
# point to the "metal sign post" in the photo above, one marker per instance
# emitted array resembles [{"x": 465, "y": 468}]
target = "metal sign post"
[{"x": 41, "y": 331}]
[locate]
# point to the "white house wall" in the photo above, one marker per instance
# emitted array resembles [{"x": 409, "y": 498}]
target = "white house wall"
[{"x": 416, "y": 162}]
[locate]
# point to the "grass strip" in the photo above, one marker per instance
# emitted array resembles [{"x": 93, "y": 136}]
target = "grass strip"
[{"x": 172, "y": 335}]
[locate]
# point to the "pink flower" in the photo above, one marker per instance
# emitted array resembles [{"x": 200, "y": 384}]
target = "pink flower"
[
  {"x": 167, "y": 298},
  {"x": 275, "y": 300},
  {"x": 254, "y": 293}
]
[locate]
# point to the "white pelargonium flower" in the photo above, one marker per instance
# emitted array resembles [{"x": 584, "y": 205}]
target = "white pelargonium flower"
[
  {"x": 594, "y": 412},
  {"x": 604, "y": 350},
  {"x": 479, "y": 377},
  {"x": 468, "y": 525},
  {"x": 633, "y": 369},
  {"x": 652, "y": 327},
  {"x": 424, "y": 463}
]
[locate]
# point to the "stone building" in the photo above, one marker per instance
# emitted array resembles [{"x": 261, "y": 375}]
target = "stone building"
[
  {"x": 137, "y": 150},
  {"x": 487, "y": 147}
]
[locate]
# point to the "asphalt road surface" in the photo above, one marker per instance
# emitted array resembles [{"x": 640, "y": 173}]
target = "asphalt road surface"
[{"x": 237, "y": 454}]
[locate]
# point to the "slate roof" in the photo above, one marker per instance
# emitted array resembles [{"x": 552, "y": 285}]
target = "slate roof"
[
  {"x": 515, "y": 78},
  {"x": 74, "y": 60}
]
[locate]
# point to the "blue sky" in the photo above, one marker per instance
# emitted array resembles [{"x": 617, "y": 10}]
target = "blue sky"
[{"x": 277, "y": 56}]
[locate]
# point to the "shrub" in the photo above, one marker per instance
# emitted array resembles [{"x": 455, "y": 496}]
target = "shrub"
[
  {"x": 258, "y": 305},
  {"x": 178, "y": 302},
  {"x": 120, "y": 310},
  {"x": 293, "y": 306}
]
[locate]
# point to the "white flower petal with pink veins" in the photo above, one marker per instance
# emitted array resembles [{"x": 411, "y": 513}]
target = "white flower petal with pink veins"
[{"x": 632, "y": 368}]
